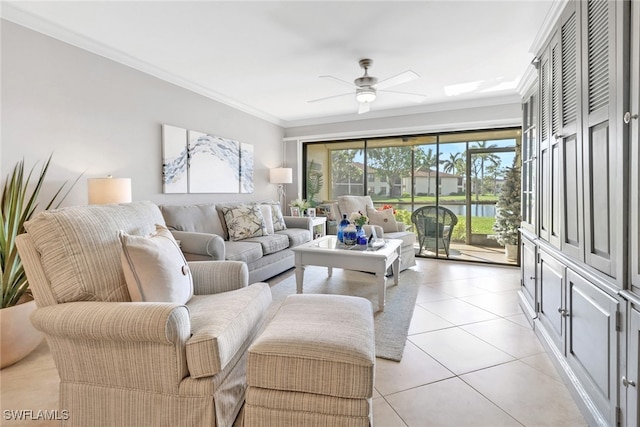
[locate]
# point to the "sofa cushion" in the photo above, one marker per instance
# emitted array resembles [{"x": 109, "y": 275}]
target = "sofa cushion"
[
  {"x": 271, "y": 243},
  {"x": 221, "y": 324},
  {"x": 351, "y": 204},
  {"x": 80, "y": 248},
  {"x": 199, "y": 218},
  {"x": 243, "y": 251},
  {"x": 244, "y": 221},
  {"x": 320, "y": 344},
  {"x": 155, "y": 269},
  {"x": 296, "y": 236},
  {"x": 383, "y": 218}
]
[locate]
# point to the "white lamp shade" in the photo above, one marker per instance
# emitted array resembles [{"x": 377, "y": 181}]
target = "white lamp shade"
[
  {"x": 281, "y": 176},
  {"x": 103, "y": 191}
]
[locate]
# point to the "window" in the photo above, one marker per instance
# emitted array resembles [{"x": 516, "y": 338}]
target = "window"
[{"x": 462, "y": 171}]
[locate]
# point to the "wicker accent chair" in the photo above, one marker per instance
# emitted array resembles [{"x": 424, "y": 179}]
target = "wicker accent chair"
[
  {"x": 434, "y": 225},
  {"x": 124, "y": 363}
]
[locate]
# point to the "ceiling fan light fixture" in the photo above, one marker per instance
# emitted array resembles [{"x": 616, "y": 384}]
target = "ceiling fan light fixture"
[{"x": 366, "y": 95}]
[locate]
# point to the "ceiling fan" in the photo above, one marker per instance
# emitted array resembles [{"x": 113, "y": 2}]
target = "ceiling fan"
[{"x": 367, "y": 87}]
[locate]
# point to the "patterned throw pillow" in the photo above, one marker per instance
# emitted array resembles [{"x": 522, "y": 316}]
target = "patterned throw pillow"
[
  {"x": 267, "y": 216},
  {"x": 277, "y": 218},
  {"x": 244, "y": 221}
]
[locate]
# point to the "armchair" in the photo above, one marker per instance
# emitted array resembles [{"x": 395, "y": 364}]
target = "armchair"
[{"x": 137, "y": 363}]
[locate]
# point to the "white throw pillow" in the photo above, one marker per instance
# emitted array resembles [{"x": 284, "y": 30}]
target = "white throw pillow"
[
  {"x": 244, "y": 221},
  {"x": 350, "y": 204},
  {"x": 383, "y": 218},
  {"x": 155, "y": 268}
]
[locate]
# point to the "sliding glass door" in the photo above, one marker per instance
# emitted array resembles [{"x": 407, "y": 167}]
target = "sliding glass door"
[{"x": 444, "y": 187}]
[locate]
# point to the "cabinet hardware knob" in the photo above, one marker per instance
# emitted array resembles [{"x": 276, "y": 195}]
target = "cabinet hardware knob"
[
  {"x": 560, "y": 310},
  {"x": 565, "y": 313},
  {"x": 557, "y": 136},
  {"x": 627, "y": 383},
  {"x": 628, "y": 116},
  {"x": 532, "y": 277}
]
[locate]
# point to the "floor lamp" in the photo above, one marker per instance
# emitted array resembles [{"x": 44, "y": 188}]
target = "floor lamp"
[{"x": 281, "y": 176}]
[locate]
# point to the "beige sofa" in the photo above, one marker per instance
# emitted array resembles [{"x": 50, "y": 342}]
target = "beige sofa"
[
  {"x": 383, "y": 222},
  {"x": 205, "y": 234},
  {"x": 124, "y": 363}
]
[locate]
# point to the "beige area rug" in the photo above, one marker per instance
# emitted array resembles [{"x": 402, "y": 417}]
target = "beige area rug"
[{"x": 391, "y": 326}]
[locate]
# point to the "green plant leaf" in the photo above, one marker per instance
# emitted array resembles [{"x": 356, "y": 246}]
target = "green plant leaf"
[{"x": 18, "y": 204}]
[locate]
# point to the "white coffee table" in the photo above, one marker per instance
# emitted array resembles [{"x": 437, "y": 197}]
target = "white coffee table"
[{"x": 326, "y": 252}]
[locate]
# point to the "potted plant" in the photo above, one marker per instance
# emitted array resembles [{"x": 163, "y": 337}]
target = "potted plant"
[
  {"x": 315, "y": 181},
  {"x": 17, "y": 205},
  {"x": 508, "y": 217},
  {"x": 301, "y": 205}
]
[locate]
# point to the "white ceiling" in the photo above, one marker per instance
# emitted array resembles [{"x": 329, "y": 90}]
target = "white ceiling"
[{"x": 265, "y": 57}]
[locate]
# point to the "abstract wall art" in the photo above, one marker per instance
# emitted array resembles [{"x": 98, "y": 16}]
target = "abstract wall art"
[
  {"x": 246, "y": 168},
  {"x": 196, "y": 162},
  {"x": 174, "y": 160}
]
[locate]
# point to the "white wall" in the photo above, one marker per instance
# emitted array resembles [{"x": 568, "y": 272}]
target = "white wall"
[{"x": 100, "y": 117}]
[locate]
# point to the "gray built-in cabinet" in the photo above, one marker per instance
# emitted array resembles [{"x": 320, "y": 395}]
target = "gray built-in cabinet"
[{"x": 580, "y": 234}]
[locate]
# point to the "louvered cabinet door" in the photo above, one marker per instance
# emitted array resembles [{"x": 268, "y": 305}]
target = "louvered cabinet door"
[
  {"x": 550, "y": 161},
  {"x": 568, "y": 134},
  {"x": 602, "y": 157}
]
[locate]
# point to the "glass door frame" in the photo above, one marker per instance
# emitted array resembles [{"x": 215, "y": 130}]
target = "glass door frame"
[{"x": 469, "y": 154}]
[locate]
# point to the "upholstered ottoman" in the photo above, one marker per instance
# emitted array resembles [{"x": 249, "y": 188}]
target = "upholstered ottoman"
[{"x": 313, "y": 365}]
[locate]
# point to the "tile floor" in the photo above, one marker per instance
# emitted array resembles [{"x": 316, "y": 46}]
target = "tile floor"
[{"x": 470, "y": 360}]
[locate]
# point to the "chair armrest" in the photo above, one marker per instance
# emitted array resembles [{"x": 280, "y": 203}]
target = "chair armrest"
[
  {"x": 379, "y": 230},
  {"x": 163, "y": 323},
  {"x": 201, "y": 244},
  {"x": 118, "y": 344},
  {"x": 401, "y": 226},
  {"x": 213, "y": 277}
]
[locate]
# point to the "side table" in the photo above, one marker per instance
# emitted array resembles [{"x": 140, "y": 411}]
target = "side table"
[{"x": 319, "y": 226}]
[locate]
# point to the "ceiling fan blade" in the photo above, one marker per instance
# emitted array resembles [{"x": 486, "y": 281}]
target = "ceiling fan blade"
[
  {"x": 398, "y": 79},
  {"x": 364, "y": 107},
  {"x": 340, "y": 81},
  {"x": 330, "y": 97},
  {"x": 417, "y": 97}
]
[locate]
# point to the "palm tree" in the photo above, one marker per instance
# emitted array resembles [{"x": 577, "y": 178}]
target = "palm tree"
[
  {"x": 454, "y": 164},
  {"x": 478, "y": 162},
  {"x": 425, "y": 160}
]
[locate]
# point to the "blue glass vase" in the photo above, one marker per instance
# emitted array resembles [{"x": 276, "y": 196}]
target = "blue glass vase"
[
  {"x": 343, "y": 224},
  {"x": 350, "y": 235},
  {"x": 361, "y": 237}
]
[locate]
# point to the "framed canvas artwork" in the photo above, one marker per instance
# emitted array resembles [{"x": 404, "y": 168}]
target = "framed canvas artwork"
[
  {"x": 174, "y": 160},
  {"x": 196, "y": 162}
]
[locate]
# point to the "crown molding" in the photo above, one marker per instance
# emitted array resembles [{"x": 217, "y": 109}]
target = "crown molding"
[
  {"x": 527, "y": 80},
  {"x": 548, "y": 25}
]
